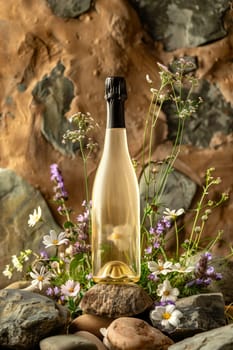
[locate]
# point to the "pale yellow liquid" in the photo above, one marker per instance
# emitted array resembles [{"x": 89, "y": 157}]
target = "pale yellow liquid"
[{"x": 115, "y": 214}]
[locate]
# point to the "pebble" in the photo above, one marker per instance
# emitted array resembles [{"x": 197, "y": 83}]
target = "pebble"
[
  {"x": 128, "y": 333},
  {"x": 67, "y": 342},
  {"x": 95, "y": 340},
  {"x": 90, "y": 323}
]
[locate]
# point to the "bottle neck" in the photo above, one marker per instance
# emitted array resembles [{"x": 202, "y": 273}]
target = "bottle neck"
[{"x": 115, "y": 113}]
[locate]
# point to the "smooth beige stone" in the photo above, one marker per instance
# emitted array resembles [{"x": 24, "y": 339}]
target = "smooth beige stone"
[
  {"x": 129, "y": 333},
  {"x": 90, "y": 323}
]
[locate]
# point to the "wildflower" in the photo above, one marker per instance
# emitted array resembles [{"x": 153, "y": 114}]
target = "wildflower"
[
  {"x": 35, "y": 217},
  {"x": 55, "y": 240},
  {"x": 183, "y": 269},
  {"x": 148, "y": 79},
  {"x": 8, "y": 271},
  {"x": 160, "y": 267},
  {"x": 204, "y": 273},
  {"x": 39, "y": 278},
  {"x": 167, "y": 315},
  {"x": 166, "y": 292},
  {"x": 172, "y": 214},
  {"x": 56, "y": 176},
  {"x": 70, "y": 288},
  {"x": 16, "y": 263}
]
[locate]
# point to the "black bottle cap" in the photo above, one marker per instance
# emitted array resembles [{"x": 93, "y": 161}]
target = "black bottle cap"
[{"x": 115, "y": 87}]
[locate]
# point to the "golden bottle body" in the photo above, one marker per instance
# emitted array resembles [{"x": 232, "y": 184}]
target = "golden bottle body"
[{"x": 115, "y": 209}]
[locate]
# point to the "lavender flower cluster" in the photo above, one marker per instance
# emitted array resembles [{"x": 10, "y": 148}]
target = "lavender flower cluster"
[
  {"x": 56, "y": 177},
  {"x": 204, "y": 273},
  {"x": 156, "y": 234}
]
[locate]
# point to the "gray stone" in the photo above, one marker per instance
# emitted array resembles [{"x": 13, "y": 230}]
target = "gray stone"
[
  {"x": 18, "y": 199},
  {"x": 201, "y": 312},
  {"x": 69, "y": 8},
  {"x": 214, "y": 115},
  {"x": 178, "y": 192},
  {"x": 115, "y": 300},
  {"x": 55, "y": 93},
  {"x": 26, "y": 318},
  {"x": 225, "y": 285},
  {"x": 216, "y": 339},
  {"x": 67, "y": 342},
  {"x": 182, "y": 23}
]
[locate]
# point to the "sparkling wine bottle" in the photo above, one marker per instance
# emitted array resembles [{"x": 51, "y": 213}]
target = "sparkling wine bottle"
[{"x": 115, "y": 199}]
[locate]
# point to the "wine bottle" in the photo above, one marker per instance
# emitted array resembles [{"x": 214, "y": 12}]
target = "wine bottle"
[{"x": 115, "y": 199}]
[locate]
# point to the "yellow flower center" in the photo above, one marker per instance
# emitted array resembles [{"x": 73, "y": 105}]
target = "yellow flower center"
[
  {"x": 166, "y": 315},
  {"x": 160, "y": 268},
  {"x": 55, "y": 241},
  {"x": 71, "y": 290},
  {"x": 40, "y": 278},
  {"x": 116, "y": 236},
  {"x": 166, "y": 293}
]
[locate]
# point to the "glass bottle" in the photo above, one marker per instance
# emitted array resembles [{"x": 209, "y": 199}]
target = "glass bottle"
[{"x": 115, "y": 199}]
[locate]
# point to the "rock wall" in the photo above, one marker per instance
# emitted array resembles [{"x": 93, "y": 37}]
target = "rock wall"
[{"x": 54, "y": 60}]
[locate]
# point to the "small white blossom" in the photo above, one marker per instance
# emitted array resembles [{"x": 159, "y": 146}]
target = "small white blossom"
[
  {"x": 148, "y": 79},
  {"x": 166, "y": 292},
  {"x": 167, "y": 315},
  {"x": 7, "y": 272},
  {"x": 16, "y": 263},
  {"x": 35, "y": 217},
  {"x": 172, "y": 214},
  {"x": 54, "y": 240},
  {"x": 39, "y": 278},
  {"x": 160, "y": 267},
  {"x": 70, "y": 288},
  {"x": 183, "y": 269}
]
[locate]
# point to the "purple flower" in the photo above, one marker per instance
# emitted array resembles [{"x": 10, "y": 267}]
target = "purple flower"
[
  {"x": 204, "y": 273},
  {"x": 152, "y": 277},
  {"x": 148, "y": 250},
  {"x": 56, "y": 176}
]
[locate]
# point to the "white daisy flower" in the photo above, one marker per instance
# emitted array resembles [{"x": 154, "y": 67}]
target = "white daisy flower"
[
  {"x": 39, "y": 278},
  {"x": 35, "y": 217},
  {"x": 160, "y": 267},
  {"x": 166, "y": 315},
  {"x": 54, "y": 240},
  {"x": 70, "y": 288},
  {"x": 183, "y": 269},
  {"x": 16, "y": 263},
  {"x": 7, "y": 272},
  {"x": 166, "y": 292},
  {"x": 172, "y": 214}
]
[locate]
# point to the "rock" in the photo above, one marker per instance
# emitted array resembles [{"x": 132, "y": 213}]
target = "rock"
[
  {"x": 178, "y": 23},
  {"x": 54, "y": 124},
  {"x": 70, "y": 8},
  {"x": 201, "y": 313},
  {"x": 178, "y": 192},
  {"x": 201, "y": 127},
  {"x": 67, "y": 342},
  {"x": 126, "y": 333},
  {"x": 115, "y": 300},
  {"x": 89, "y": 336},
  {"x": 217, "y": 339},
  {"x": 90, "y": 323},
  {"x": 26, "y": 318},
  {"x": 18, "y": 199},
  {"x": 224, "y": 286}
]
